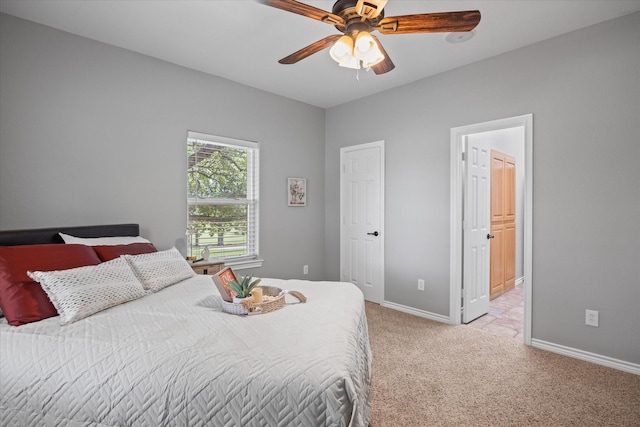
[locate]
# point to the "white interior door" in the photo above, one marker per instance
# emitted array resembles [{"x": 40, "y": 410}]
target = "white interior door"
[
  {"x": 477, "y": 224},
  {"x": 362, "y": 218}
]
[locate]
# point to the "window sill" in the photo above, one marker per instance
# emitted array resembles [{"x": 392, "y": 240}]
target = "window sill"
[{"x": 244, "y": 264}]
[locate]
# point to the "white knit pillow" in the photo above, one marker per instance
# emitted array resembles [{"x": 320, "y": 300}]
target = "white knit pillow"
[
  {"x": 80, "y": 292},
  {"x": 158, "y": 270},
  {"x": 103, "y": 241}
]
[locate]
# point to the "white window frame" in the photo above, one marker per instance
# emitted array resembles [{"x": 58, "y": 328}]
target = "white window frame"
[{"x": 251, "y": 260}]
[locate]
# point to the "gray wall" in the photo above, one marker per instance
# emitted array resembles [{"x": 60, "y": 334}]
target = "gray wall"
[
  {"x": 91, "y": 133},
  {"x": 583, "y": 89}
]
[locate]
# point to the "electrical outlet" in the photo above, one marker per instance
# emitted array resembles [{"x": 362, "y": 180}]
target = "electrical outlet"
[
  {"x": 305, "y": 269},
  {"x": 421, "y": 284},
  {"x": 591, "y": 318}
]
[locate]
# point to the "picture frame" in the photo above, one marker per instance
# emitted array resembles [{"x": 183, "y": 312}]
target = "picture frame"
[
  {"x": 221, "y": 280},
  {"x": 296, "y": 191}
]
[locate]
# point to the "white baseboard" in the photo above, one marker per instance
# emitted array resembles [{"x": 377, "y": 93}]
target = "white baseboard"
[
  {"x": 416, "y": 312},
  {"x": 598, "y": 359},
  {"x": 519, "y": 281}
]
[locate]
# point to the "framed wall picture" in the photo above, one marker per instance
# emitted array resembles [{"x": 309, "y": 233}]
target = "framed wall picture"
[{"x": 297, "y": 191}]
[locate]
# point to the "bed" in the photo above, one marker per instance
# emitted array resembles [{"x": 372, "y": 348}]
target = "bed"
[{"x": 173, "y": 358}]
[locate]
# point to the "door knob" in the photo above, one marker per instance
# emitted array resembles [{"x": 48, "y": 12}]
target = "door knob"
[
  {"x": 490, "y": 236},
  {"x": 375, "y": 233}
]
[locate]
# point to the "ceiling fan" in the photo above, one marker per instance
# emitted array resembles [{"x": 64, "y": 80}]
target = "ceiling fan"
[{"x": 356, "y": 19}]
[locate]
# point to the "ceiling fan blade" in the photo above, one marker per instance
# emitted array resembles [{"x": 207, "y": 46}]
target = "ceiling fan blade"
[
  {"x": 305, "y": 10},
  {"x": 311, "y": 49},
  {"x": 386, "y": 64},
  {"x": 446, "y": 22}
]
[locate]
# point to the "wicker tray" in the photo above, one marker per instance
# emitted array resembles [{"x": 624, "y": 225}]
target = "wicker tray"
[{"x": 249, "y": 307}]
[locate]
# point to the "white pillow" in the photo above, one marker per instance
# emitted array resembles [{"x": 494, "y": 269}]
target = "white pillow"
[
  {"x": 158, "y": 270},
  {"x": 80, "y": 292},
  {"x": 103, "y": 241}
]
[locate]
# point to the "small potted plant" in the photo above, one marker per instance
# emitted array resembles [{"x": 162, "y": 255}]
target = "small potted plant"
[{"x": 242, "y": 288}]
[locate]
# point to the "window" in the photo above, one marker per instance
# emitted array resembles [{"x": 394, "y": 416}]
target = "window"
[{"x": 222, "y": 199}]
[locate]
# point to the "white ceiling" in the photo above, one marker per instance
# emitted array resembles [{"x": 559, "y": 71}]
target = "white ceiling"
[{"x": 242, "y": 40}]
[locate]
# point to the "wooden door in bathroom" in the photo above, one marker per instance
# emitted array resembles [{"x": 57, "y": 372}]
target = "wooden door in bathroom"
[{"x": 503, "y": 224}]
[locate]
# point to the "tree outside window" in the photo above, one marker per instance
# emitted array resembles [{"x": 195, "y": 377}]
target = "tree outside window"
[{"x": 222, "y": 197}]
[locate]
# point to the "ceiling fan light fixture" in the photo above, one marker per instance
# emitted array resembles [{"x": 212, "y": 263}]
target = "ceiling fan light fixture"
[
  {"x": 366, "y": 50},
  {"x": 342, "y": 50},
  {"x": 364, "y": 45},
  {"x": 374, "y": 57},
  {"x": 352, "y": 63}
]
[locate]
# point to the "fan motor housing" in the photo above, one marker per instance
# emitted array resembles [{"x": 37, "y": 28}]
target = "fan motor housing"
[
  {"x": 354, "y": 23},
  {"x": 342, "y": 5}
]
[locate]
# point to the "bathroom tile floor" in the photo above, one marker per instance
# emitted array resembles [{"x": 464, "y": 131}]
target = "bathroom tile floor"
[{"x": 505, "y": 316}]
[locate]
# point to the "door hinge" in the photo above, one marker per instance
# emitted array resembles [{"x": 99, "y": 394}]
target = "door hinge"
[{"x": 463, "y": 156}]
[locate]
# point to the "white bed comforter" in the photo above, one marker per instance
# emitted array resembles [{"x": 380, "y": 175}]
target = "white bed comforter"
[{"x": 174, "y": 358}]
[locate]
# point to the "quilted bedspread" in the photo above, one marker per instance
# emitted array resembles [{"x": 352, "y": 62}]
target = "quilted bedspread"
[{"x": 173, "y": 358}]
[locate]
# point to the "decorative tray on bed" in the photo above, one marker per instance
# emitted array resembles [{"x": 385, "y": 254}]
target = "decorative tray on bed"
[{"x": 273, "y": 299}]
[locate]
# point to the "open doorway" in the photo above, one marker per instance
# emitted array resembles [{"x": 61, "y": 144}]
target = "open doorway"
[
  {"x": 506, "y": 182},
  {"x": 513, "y": 136}
]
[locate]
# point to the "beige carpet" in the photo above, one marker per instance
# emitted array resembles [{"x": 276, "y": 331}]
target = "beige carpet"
[{"x": 427, "y": 373}]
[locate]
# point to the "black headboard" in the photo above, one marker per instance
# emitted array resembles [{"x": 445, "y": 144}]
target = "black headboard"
[{"x": 50, "y": 235}]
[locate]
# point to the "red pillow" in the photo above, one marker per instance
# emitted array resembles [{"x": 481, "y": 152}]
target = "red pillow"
[
  {"x": 21, "y": 299},
  {"x": 107, "y": 253}
]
